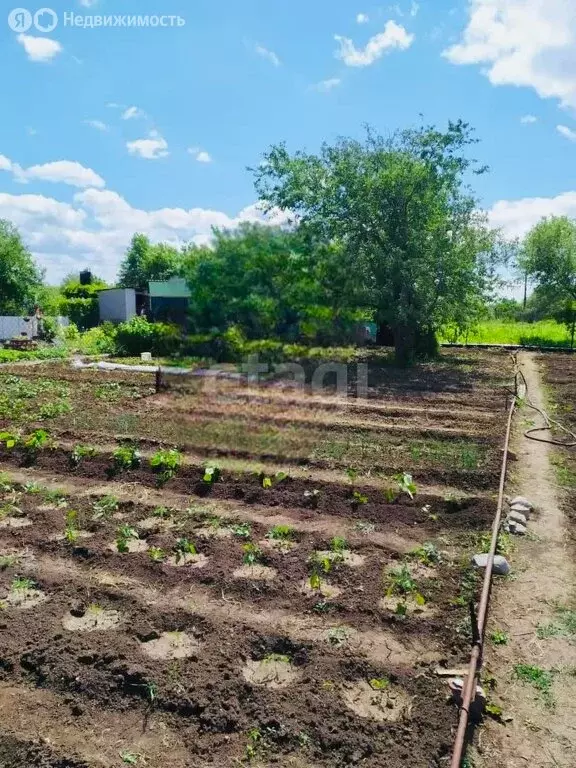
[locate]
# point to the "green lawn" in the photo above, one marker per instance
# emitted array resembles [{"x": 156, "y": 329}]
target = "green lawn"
[{"x": 545, "y": 333}]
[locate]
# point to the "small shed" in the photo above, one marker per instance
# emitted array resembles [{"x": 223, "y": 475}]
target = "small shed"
[
  {"x": 117, "y": 305},
  {"x": 169, "y": 300}
]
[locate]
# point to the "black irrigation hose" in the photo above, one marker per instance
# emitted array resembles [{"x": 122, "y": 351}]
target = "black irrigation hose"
[{"x": 549, "y": 422}]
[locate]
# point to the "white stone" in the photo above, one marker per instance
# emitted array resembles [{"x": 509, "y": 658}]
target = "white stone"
[
  {"x": 512, "y": 526},
  {"x": 518, "y": 517},
  {"x": 523, "y": 501},
  {"x": 500, "y": 566}
]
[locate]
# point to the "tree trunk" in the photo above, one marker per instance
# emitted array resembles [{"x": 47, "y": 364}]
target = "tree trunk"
[
  {"x": 411, "y": 342},
  {"x": 404, "y": 344}
]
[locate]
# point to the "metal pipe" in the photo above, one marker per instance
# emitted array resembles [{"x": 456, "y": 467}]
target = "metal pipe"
[{"x": 469, "y": 689}]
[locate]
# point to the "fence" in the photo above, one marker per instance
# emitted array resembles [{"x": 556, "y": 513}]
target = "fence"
[{"x": 23, "y": 327}]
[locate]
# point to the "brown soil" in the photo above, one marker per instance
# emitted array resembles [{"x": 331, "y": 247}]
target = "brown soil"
[{"x": 192, "y": 666}]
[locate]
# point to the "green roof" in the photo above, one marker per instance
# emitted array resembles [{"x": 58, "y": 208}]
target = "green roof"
[{"x": 175, "y": 288}]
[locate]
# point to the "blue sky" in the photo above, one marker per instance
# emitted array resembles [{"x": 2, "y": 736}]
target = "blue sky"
[{"x": 106, "y": 131}]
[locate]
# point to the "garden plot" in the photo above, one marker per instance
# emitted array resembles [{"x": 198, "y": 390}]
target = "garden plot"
[
  {"x": 560, "y": 378},
  {"x": 286, "y": 607}
]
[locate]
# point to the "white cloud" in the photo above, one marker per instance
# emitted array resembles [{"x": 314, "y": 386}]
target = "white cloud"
[
  {"x": 199, "y": 154},
  {"x": 5, "y": 163},
  {"x": 568, "y": 133},
  {"x": 327, "y": 85},
  {"x": 528, "y": 119},
  {"x": 97, "y": 124},
  {"x": 31, "y": 131},
  {"x": 414, "y": 8},
  {"x": 527, "y": 43},
  {"x": 517, "y": 217},
  {"x": 267, "y": 54},
  {"x": 152, "y": 148},
  {"x": 88, "y": 3},
  {"x": 394, "y": 36},
  {"x": 60, "y": 171},
  {"x": 131, "y": 113},
  {"x": 362, "y": 18},
  {"x": 95, "y": 229},
  {"x": 63, "y": 172},
  {"x": 39, "y": 48}
]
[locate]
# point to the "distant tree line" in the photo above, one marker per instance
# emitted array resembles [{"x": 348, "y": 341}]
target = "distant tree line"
[{"x": 386, "y": 230}]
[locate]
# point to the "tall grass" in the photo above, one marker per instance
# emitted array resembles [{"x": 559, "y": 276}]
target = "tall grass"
[{"x": 545, "y": 333}]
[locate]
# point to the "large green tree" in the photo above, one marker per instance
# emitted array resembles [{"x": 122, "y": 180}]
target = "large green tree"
[
  {"x": 145, "y": 261},
  {"x": 271, "y": 282},
  {"x": 406, "y": 223},
  {"x": 550, "y": 260},
  {"x": 20, "y": 278}
]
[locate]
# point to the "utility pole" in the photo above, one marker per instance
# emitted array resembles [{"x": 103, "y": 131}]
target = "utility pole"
[{"x": 525, "y": 288}]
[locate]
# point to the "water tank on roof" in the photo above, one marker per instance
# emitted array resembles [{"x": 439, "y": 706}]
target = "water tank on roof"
[{"x": 85, "y": 277}]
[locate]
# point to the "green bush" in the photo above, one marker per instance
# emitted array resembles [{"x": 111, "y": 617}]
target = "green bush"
[
  {"x": 138, "y": 335},
  {"x": 98, "y": 341}
]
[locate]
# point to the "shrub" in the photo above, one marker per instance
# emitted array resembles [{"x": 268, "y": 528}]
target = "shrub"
[
  {"x": 138, "y": 335},
  {"x": 98, "y": 341}
]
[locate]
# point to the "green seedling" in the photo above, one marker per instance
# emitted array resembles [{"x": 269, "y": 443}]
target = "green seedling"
[
  {"x": 36, "y": 442},
  {"x": 269, "y": 482},
  {"x": 252, "y": 554},
  {"x": 81, "y": 452},
  {"x": 427, "y": 554},
  {"x": 540, "y": 679},
  {"x": 32, "y": 488},
  {"x": 184, "y": 547},
  {"x": 499, "y": 638},
  {"x": 379, "y": 683},
  {"x": 56, "y": 497},
  {"x": 9, "y": 509},
  {"x": 401, "y": 609},
  {"x": 123, "y": 535},
  {"x": 71, "y": 530},
  {"x": 21, "y": 584},
  {"x": 281, "y": 533},
  {"x": 8, "y": 561},
  {"x": 156, "y": 554},
  {"x": 276, "y": 657},
  {"x": 242, "y": 530},
  {"x": 390, "y": 495},
  {"x": 124, "y": 458},
  {"x": 130, "y": 758},
  {"x": 151, "y": 693},
  {"x": 10, "y": 439},
  {"x": 320, "y": 565},
  {"x": 105, "y": 507},
  {"x": 162, "y": 512},
  {"x": 352, "y": 475},
  {"x": 255, "y": 744},
  {"x": 358, "y": 499},
  {"x": 403, "y": 584},
  {"x": 494, "y": 711},
  {"x": 212, "y": 474},
  {"x": 166, "y": 463},
  {"x": 406, "y": 484},
  {"x": 338, "y": 545},
  {"x": 322, "y": 606}
]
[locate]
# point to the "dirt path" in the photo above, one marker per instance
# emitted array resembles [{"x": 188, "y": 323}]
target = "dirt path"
[{"x": 542, "y": 733}]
